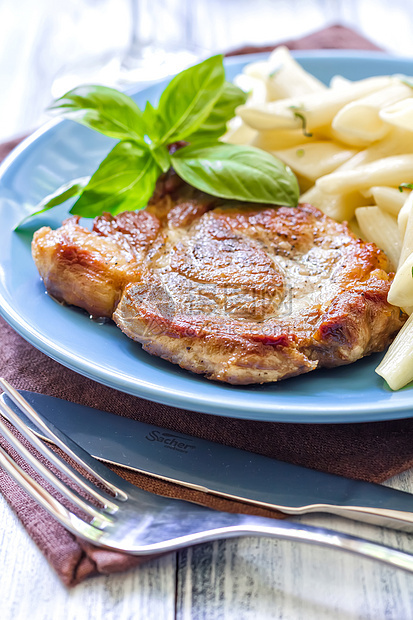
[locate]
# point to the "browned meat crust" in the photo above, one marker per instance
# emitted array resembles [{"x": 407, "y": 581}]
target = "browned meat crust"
[{"x": 240, "y": 293}]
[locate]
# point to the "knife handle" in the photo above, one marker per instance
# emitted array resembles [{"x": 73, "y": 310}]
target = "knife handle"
[{"x": 384, "y": 517}]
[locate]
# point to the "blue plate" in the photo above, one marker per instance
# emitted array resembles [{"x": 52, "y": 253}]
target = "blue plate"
[{"x": 64, "y": 150}]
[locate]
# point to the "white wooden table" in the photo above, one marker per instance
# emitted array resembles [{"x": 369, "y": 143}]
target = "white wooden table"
[
  {"x": 245, "y": 578},
  {"x": 250, "y": 578}
]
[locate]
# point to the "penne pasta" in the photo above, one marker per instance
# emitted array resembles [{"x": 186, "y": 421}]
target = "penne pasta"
[
  {"x": 263, "y": 118},
  {"x": 340, "y": 207},
  {"x": 283, "y": 76},
  {"x": 355, "y": 228},
  {"x": 391, "y": 171},
  {"x": 275, "y": 139},
  {"x": 311, "y": 111},
  {"x": 362, "y": 119},
  {"x": 238, "y": 132},
  {"x": 345, "y": 138},
  {"x": 399, "y": 114},
  {"x": 397, "y": 365},
  {"x": 315, "y": 159},
  {"x": 407, "y": 238},
  {"x": 404, "y": 214},
  {"x": 380, "y": 228},
  {"x": 339, "y": 81},
  {"x": 256, "y": 89},
  {"x": 397, "y": 142},
  {"x": 357, "y": 160},
  {"x": 389, "y": 199},
  {"x": 401, "y": 290}
]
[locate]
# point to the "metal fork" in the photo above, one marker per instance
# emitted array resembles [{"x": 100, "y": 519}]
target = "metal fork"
[{"x": 129, "y": 519}]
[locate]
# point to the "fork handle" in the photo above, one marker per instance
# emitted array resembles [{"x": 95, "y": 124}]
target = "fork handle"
[{"x": 299, "y": 532}]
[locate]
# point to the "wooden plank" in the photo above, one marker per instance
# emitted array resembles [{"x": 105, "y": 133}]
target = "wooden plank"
[
  {"x": 29, "y": 588},
  {"x": 257, "y": 578}
]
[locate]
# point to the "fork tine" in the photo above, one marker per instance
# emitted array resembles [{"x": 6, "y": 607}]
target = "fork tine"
[
  {"x": 98, "y": 515},
  {"x": 64, "y": 467},
  {"x": 69, "y": 447},
  {"x": 68, "y": 519}
]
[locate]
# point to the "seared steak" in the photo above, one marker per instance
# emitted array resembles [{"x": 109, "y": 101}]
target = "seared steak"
[{"x": 238, "y": 292}]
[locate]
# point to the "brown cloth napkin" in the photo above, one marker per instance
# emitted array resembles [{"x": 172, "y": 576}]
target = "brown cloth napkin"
[{"x": 366, "y": 451}]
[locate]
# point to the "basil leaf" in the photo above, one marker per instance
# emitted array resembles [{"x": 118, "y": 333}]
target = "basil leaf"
[
  {"x": 403, "y": 186},
  {"x": 215, "y": 124},
  {"x": 154, "y": 125},
  {"x": 63, "y": 193},
  {"x": 162, "y": 157},
  {"x": 189, "y": 98},
  {"x": 237, "y": 172},
  {"x": 125, "y": 180},
  {"x": 104, "y": 109}
]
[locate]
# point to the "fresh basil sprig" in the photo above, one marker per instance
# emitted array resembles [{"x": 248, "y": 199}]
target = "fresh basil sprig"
[{"x": 195, "y": 107}]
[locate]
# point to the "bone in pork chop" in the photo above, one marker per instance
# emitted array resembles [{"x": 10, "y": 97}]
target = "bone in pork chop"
[{"x": 238, "y": 292}]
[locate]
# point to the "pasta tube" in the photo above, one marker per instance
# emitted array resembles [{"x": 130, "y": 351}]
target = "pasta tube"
[
  {"x": 391, "y": 171},
  {"x": 397, "y": 142},
  {"x": 315, "y": 159},
  {"x": 339, "y": 81},
  {"x": 389, "y": 199},
  {"x": 380, "y": 228},
  {"x": 310, "y": 111},
  {"x": 262, "y": 117},
  {"x": 396, "y": 368},
  {"x": 275, "y": 139},
  {"x": 401, "y": 290},
  {"x": 407, "y": 245},
  {"x": 283, "y": 76},
  {"x": 404, "y": 214},
  {"x": 341, "y": 207},
  {"x": 345, "y": 138},
  {"x": 362, "y": 119},
  {"x": 355, "y": 228},
  {"x": 238, "y": 132},
  {"x": 256, "y": 89},
  {"x": 399, "y": 114}
]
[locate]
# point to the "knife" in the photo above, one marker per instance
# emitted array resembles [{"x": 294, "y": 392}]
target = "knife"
[{"x": 218, "y": 469}]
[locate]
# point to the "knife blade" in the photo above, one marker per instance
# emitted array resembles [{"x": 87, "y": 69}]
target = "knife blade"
[{"x": 219, "y": 469}]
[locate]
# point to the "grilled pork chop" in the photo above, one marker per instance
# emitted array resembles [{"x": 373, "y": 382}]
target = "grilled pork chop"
[{"x": 238, "y": 292}]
